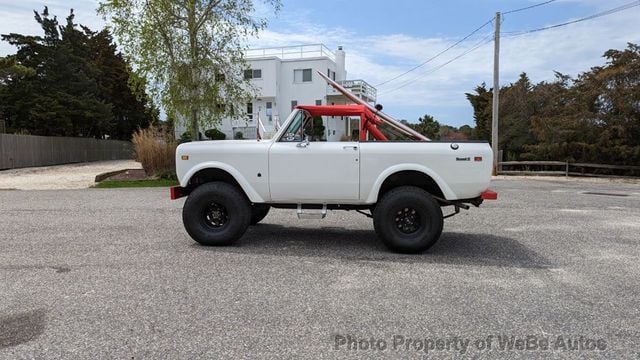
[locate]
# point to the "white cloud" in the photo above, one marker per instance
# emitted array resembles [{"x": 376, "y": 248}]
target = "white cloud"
[{"x": 570, "y": 50}]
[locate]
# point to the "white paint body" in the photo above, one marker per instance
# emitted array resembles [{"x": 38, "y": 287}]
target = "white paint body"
[{"x": 270, "y": 171}]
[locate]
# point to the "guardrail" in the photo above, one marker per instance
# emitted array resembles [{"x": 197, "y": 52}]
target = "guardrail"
[{"x": 566, "y": 168}]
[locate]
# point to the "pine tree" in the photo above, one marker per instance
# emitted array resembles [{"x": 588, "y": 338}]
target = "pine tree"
[
  {"x": 481, "y": 102},
  {"x": 74, "y": 83}
]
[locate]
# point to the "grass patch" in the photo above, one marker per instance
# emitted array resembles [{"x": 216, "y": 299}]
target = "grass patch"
[{"x": 111, "y": 184}]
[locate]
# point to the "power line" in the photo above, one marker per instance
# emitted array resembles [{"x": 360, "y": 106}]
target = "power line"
[
  {"x": 594, "y": 16},
  {"x": 487, "y": 39},
  {"x": 528, "y": 7},
  {"x": 409, "y": 82},
  {"x": 437, "y": 55}
]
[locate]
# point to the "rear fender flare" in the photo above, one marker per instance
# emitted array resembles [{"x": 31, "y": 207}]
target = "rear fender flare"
[{"x": 373, "y": 194}]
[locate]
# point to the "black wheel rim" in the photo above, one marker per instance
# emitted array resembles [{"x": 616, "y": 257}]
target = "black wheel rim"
[
  {"x": 216, "y": 216},
  {"x": 407, "y": 220}
]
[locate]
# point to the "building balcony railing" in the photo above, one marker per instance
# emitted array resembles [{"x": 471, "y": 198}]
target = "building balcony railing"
[
  {"x": 360, "y": 88},
  {"x": 292, "y": 52}
]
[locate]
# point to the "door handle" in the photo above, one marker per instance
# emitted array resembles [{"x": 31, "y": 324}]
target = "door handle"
[{"x": 350, "y": 147}]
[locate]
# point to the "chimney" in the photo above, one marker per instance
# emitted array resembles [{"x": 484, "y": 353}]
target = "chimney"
[{"x": 341, "y": 72}]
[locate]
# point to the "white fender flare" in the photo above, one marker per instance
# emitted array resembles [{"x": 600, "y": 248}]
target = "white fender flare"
[
  {"x": 244, "y": 184},
  {"x": 375, "y": 189}
]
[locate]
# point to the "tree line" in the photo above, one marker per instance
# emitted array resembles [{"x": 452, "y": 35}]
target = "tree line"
[
  {"x": 434, "y": 130},
  {"x": 593, "y": 118},
  {"x": 71, "y": 81}
]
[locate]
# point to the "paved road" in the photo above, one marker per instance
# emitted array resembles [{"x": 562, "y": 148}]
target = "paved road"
[{"x": 112, "y": 274}]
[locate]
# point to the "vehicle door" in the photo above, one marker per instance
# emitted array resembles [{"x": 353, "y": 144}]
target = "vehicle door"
[{"x": 304, "y": 167}]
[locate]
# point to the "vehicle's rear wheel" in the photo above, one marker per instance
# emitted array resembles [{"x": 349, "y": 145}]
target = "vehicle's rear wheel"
[
  {"x": 258, "y": 212},
  {"x": 216, "y": 213},
  {"x": 408, "y": 220}
]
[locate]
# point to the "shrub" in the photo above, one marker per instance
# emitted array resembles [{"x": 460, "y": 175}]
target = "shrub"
[
  {"x": 185, "y": 138},
  {"x": 239, "y": 135},
  {"x": 215, "y": 134},
  {"x": 188, "y": 137},
  {"x": 155, "y": 150}
]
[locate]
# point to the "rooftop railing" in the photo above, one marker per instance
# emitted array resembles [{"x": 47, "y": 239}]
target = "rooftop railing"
[
  {"x": 292, "y": 52},
  {"x": 360, "y": 88}
]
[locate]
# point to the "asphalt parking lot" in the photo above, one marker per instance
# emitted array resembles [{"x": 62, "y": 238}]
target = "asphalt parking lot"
[{"x": 112, "y": 274}]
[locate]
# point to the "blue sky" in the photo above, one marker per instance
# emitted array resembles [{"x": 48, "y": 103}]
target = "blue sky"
[
  {"x": 425, "y": 18},
  {"x": 383, "y": 39}
]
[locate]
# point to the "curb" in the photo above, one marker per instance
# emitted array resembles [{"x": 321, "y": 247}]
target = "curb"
[{"x": 109, "y": 174}]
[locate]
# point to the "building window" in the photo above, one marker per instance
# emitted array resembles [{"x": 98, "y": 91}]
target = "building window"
[
  {"x": 318, "y": 102},
  {"x": 302, "y": 75},
  {"x": 331, "y": 74},
  {"x": 269, "y": 111},
  {"x": 253, "y": 74},
  {"x": 294, "y": 103},
  {"x": 250, "y": 111}
]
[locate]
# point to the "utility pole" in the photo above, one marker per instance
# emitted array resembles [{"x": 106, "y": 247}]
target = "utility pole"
[{"x": 496, "y": 95}]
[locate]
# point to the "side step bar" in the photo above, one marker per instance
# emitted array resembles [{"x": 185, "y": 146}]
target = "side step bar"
[{"x": 312, "y": 213}]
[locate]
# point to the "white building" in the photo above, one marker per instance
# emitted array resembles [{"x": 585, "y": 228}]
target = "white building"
[{"x": 286, "y": 77}]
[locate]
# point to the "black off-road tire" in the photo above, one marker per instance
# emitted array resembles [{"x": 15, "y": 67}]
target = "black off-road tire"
[
  {"x": 258, "y": 212},
  {"x": 216, "y": 214},
  {"x": 408, "y": 220}
]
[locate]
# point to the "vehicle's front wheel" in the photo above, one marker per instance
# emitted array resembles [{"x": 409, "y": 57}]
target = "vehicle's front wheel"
[
  {"x": 408, "y": 220},
  {"x": 258, "y": 212},
  {"x": 216, "y": 213}
]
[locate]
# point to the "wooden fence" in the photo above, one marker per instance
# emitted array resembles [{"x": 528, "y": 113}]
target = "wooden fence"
[
  {"x": 565, "y": 168},
  {"x": 17, "y": 151}
]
